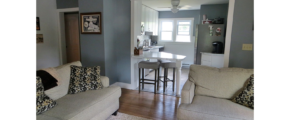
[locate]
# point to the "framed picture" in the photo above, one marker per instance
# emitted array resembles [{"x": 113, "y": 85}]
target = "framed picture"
[
  {"x": 39, "y": 38},
  {"x": 37, "y": 23},
  {"x": 91, "y": 23}
]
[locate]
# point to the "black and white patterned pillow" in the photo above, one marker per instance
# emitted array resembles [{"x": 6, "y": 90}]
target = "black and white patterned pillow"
[
  {"x": 246, "y": 97},
  {"x": 43, "y": 102},
  {"x": 84, "y": 78}
]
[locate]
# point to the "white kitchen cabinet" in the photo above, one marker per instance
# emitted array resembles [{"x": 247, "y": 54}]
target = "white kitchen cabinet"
[
  {"x": 212, "y": 59},
  {"x": 149, "y": 19}
]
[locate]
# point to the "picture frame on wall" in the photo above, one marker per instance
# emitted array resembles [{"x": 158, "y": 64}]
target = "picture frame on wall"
[
  {"x": 39, "y": 38},
  {"x": 91, "y": 23},
  {"x": 37, "y": 23}
]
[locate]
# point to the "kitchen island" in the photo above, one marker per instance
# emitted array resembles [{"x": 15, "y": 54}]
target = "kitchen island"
[{"x": 156, "y": 55}]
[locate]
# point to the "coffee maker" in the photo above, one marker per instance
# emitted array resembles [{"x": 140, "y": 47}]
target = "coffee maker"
[{"x": 218, "y": 47}]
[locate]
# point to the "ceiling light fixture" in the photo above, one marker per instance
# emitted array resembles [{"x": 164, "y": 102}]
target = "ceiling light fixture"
[{"x": 174, "y": 8}]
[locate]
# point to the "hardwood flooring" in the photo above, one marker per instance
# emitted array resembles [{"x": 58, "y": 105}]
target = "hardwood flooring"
[{"x": 148, "y": 105}]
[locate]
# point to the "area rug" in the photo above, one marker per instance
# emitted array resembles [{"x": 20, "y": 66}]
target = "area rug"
[{"x": 123, "y": 116}]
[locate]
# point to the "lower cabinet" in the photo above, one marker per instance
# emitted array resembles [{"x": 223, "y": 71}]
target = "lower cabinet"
[{"x": 212, "y": 60}]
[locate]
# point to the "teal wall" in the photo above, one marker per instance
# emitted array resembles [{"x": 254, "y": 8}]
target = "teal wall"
[
  {"x": 111, "y": 49},
  {"x": 92, "y": 45},
  {"x": 66, "y": 4},
  {"x": 117, "y": 29},
  {"x": 242, "y": 33},
  {"x": 214, "y": 11}
]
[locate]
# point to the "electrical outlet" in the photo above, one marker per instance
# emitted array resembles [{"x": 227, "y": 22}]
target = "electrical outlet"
[{"x": 247, "y": 47}]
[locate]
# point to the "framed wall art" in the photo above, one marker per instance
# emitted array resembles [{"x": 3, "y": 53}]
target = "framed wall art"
[
  {"x": 39, "y": 38},
  {"x": 37, "y": 23},
  {"x": 91, "y": 23}
]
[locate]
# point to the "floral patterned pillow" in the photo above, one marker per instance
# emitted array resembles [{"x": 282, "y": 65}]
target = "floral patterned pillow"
[
  {"x": 84, "y": 78},
  {"x": 43, "y": 102},
  {"x": 246, "y": 97}
]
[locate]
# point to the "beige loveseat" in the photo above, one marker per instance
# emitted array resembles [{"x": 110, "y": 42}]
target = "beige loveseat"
[
  {"x": 207, "y": 94},
  {"x": 89, "y": 105}
]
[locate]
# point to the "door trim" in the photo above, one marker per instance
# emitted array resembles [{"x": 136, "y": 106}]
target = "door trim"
[{"x": 61, "y": 31}]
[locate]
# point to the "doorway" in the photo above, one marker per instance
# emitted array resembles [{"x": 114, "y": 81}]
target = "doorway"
[{"x": 72, "y": 39}]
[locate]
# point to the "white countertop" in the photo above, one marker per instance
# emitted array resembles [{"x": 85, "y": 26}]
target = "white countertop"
[
  {"x": 153, "y": 47},
  {"x": 159, "y": 55}
]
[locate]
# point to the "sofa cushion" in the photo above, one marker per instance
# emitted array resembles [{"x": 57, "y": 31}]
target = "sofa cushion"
[
  {"x": 246, "y": 97},
  {"x": 63, "y": 73},
  {"x": 215, "y": 82},
  {"x": 84, "y": 78},
  {"x": 210, "y": 108},
  {"x": 43, "y": 102},
  {"x": 44, "y": 117},
  {"x": 84, "y": 105}
]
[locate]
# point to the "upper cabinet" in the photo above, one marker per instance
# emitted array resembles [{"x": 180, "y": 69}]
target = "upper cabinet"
[{"x": 149, "y": 19}]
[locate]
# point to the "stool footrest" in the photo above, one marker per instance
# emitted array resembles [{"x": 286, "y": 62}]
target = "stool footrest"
[{"x": 148, "y": 82}]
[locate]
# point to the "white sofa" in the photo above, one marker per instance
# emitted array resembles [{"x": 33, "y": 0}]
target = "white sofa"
[
  {"x": 207, "y": 94},
  {"x": 89, "y": 105}
]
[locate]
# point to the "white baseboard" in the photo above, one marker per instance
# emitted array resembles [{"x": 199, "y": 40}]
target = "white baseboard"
[{"x": 124, "y": 85}]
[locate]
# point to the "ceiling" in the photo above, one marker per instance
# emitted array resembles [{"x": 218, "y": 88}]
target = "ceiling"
[{"x": 160, "y": 5}]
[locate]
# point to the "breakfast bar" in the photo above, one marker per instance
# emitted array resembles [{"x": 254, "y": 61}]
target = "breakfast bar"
[{"x": 157, "y": 55}]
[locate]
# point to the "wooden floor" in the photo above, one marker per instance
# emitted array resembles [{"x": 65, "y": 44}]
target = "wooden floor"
[{"x": 148, "y": 105}]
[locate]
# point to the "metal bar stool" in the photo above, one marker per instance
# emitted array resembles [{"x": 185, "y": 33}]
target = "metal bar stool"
[
  {"x": 166, "y": 64},
  {"x": 148, "y": 65}
]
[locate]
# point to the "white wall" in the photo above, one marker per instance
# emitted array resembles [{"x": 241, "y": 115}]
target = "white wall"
[{"x": 47, "y": 53}]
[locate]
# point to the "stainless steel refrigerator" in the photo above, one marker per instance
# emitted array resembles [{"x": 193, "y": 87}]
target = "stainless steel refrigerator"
[{"x": 204, "y": 38}]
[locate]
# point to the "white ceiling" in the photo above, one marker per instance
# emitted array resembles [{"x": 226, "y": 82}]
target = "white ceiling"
[{"x": 187, "y": 4}]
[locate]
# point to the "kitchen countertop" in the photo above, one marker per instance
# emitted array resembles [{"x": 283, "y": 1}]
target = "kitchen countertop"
[
  {"x": 159, "y": 55},
  {"x": 153, "y": 47}
]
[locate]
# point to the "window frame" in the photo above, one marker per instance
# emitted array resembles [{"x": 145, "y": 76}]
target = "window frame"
[
  {"x": 160, "y": 30},
  {"x": 175, "y": 29}
]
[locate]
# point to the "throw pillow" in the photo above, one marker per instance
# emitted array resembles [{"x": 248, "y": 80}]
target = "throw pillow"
[
  {"x": 84, "y": 78},
  {"x": 43, "y": 102},
  {"x": 246, "y": 97},
  {"x": 48, "y": 81}
]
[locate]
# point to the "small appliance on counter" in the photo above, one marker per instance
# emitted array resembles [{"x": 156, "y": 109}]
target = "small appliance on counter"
[
  {"x": 154, "y": 39},
  {"x": 218, "y": 47}
]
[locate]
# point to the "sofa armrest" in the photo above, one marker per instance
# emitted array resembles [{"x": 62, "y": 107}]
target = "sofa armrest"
[
  {"x": 187, "y": 92},
  {"x": 105, "y": 81}
]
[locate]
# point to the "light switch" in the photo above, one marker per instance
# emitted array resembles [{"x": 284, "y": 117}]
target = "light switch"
[{"x": 247, "y": 47}]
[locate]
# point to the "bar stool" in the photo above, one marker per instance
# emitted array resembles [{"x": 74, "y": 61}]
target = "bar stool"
[
  {"x": 148, "y": 65},
  {"x": 166, "y": 64}
]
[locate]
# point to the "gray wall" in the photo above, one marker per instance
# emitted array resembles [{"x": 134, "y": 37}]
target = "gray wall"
[
  {"x": 111, "y": 61},
  {"x": 214, "y": 11},
  {"x": 182, "y": 14},
  {"x": 117, "y": 22},
  {"x": 92, "y": 45},
  {"x": 47, "y": 53},
  {"x": 242, "y": 33},
  {"x": 66, "y": 4}
]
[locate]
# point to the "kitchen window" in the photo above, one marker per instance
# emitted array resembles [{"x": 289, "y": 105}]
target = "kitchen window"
[{"x": 176, "y": 30}]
